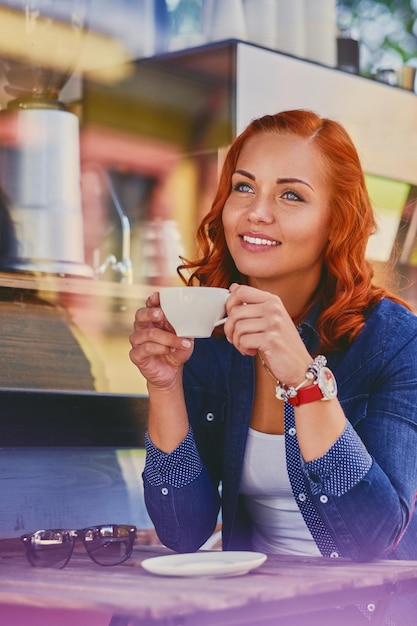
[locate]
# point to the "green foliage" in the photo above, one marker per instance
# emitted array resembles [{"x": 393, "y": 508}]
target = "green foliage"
[{"x": 386, "y": 29}]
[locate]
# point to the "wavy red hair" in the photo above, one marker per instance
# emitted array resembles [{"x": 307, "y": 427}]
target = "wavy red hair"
[{"x": 346, "y": 288}]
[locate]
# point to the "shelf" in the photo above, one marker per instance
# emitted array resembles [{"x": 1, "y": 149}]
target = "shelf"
[{"x": 70, "y": 285}]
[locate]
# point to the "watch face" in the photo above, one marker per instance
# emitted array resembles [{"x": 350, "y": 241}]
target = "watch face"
[{"x": 327, "y": 383}]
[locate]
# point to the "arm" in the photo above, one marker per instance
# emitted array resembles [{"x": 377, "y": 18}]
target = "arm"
[
  {"x": 368, "y": 505},
  {"x": 160, "y": 356},
  {"x": 363, "y": 481},
  {"x": 182, "y": 502},
  {"x": 264, "y": 326}
]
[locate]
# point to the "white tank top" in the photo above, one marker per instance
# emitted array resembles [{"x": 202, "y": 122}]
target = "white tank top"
[{"x": 279, "y": 527}]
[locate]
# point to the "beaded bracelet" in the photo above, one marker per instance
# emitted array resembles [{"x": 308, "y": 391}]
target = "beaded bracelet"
[{"x": 283, "y": 392}]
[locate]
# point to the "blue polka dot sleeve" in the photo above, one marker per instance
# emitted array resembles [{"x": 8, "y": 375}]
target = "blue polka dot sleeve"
[
  {"x": 341, "y": 468},
  {"x": 177, "y": 468}
]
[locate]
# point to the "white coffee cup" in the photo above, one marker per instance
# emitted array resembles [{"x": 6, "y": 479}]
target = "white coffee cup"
[{"x": 193, "y": 311}]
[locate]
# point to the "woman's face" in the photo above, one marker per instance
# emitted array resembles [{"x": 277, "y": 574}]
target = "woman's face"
[{"x": 277, "y": 217}]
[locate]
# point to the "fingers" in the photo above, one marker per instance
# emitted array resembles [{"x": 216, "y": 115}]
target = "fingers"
[
  {"x": 245, "y": 334},
  {"x": 258, "y": 321},
  {"x": 246, "y": 303},
  {"x": 148, "y": 315},
  {"x": 153, "y": 299},
  {"x": 156, "y": 350},
  {"x": 244, "y": 294},
  {"x": 151, "y": 314},
  {"x": 151, "y": 340},
  {"x": 152, "y": 335},
  {"x": 255, "y": 319},
  {"x": 159, "y": 354}
]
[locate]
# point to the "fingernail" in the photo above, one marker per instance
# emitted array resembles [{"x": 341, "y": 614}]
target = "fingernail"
[{"x": 186, "y": 343}]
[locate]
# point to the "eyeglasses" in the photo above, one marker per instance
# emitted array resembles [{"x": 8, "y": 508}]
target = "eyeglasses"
[{"x": 106, "y": 545}]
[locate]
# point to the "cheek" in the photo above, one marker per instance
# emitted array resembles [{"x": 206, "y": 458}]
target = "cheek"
[{"x": 309, "y": 237}]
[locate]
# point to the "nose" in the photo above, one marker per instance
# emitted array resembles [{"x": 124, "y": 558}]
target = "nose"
[{"x": 260, "y": 211}]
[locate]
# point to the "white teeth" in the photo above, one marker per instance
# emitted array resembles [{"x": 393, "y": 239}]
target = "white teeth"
[{"x": 259, "y": 242}]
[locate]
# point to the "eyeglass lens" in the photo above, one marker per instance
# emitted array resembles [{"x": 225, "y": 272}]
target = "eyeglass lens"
[
  {"x": 109, "y": 545},
  {"x": 49, "y": 548},
  {"x": 106, "y": 545}
]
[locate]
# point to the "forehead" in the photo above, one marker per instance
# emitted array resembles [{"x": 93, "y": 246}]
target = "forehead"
[{"x": 286, "y": 152}]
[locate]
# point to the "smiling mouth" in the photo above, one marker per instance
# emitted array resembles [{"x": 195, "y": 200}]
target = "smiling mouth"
[{"x": 259, "y": 241}]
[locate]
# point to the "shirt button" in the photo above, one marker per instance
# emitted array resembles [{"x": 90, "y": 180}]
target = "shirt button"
[
  {"x": 210, "y": 417},
  {"x": 334, "y": 555},
  {"x": 324, "y": 499},
  {"x": 164, "y": 491},
  {"x": 292, "y": 431},
  {"x": 302, "y": 497},
  {"x": 371, "y": 607}
]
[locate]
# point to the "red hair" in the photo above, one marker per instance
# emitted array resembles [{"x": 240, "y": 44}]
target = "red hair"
[{"x": 346, "y": 288}]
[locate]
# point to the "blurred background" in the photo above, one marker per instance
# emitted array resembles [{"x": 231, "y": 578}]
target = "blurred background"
[
  {"x": 114, "y": 120},
  {"x": 114, "y": 117}
]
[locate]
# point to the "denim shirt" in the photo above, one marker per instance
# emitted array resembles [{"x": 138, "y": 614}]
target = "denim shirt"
[{"x": 357, "y": 499}]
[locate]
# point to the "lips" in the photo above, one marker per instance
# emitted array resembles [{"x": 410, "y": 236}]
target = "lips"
[{"x": 259, "y": 241}]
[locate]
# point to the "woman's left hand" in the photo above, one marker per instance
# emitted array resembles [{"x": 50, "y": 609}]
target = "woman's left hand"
[{"x": 258, "y": 321}]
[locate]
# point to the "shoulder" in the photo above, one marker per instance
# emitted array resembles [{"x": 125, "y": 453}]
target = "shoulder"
[
  {"x": 390, "y": 332},
  {"x": 386, "y": 305},
  {"x": 382, "y": 358},
  {"x": 392, "y": 317}
]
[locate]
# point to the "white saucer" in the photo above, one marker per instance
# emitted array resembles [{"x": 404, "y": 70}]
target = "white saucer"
[{"x": 216, "y": 563}]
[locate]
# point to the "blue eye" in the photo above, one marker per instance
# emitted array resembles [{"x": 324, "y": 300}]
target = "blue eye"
[
  {"x": 291, "y": 195},
  {"x": 242, "y": 187}
]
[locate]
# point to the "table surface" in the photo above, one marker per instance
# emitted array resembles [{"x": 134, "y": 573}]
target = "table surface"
[{"x": 280, "y": 586}]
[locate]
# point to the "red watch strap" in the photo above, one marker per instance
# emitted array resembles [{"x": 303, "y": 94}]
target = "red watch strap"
[{"x": 309, "y": 394}]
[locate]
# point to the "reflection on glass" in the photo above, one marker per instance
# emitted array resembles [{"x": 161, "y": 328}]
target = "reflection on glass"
[{"x": 44, "y": 48}]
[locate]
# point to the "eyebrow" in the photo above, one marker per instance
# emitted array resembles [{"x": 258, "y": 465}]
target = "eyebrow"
[{"x": 280, "y": 181}]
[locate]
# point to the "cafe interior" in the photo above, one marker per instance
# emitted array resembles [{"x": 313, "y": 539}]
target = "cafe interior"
[{"x": 114, "y": 119}]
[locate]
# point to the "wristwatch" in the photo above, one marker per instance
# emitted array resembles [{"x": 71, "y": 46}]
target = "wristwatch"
[{"x": 323, "y": 388}]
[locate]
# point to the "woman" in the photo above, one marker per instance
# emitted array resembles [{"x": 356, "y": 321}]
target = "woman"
[{"x": 287, "y": 233}]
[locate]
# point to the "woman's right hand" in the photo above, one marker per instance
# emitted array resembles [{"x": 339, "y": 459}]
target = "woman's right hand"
[{"x": 156, "y": 350}]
